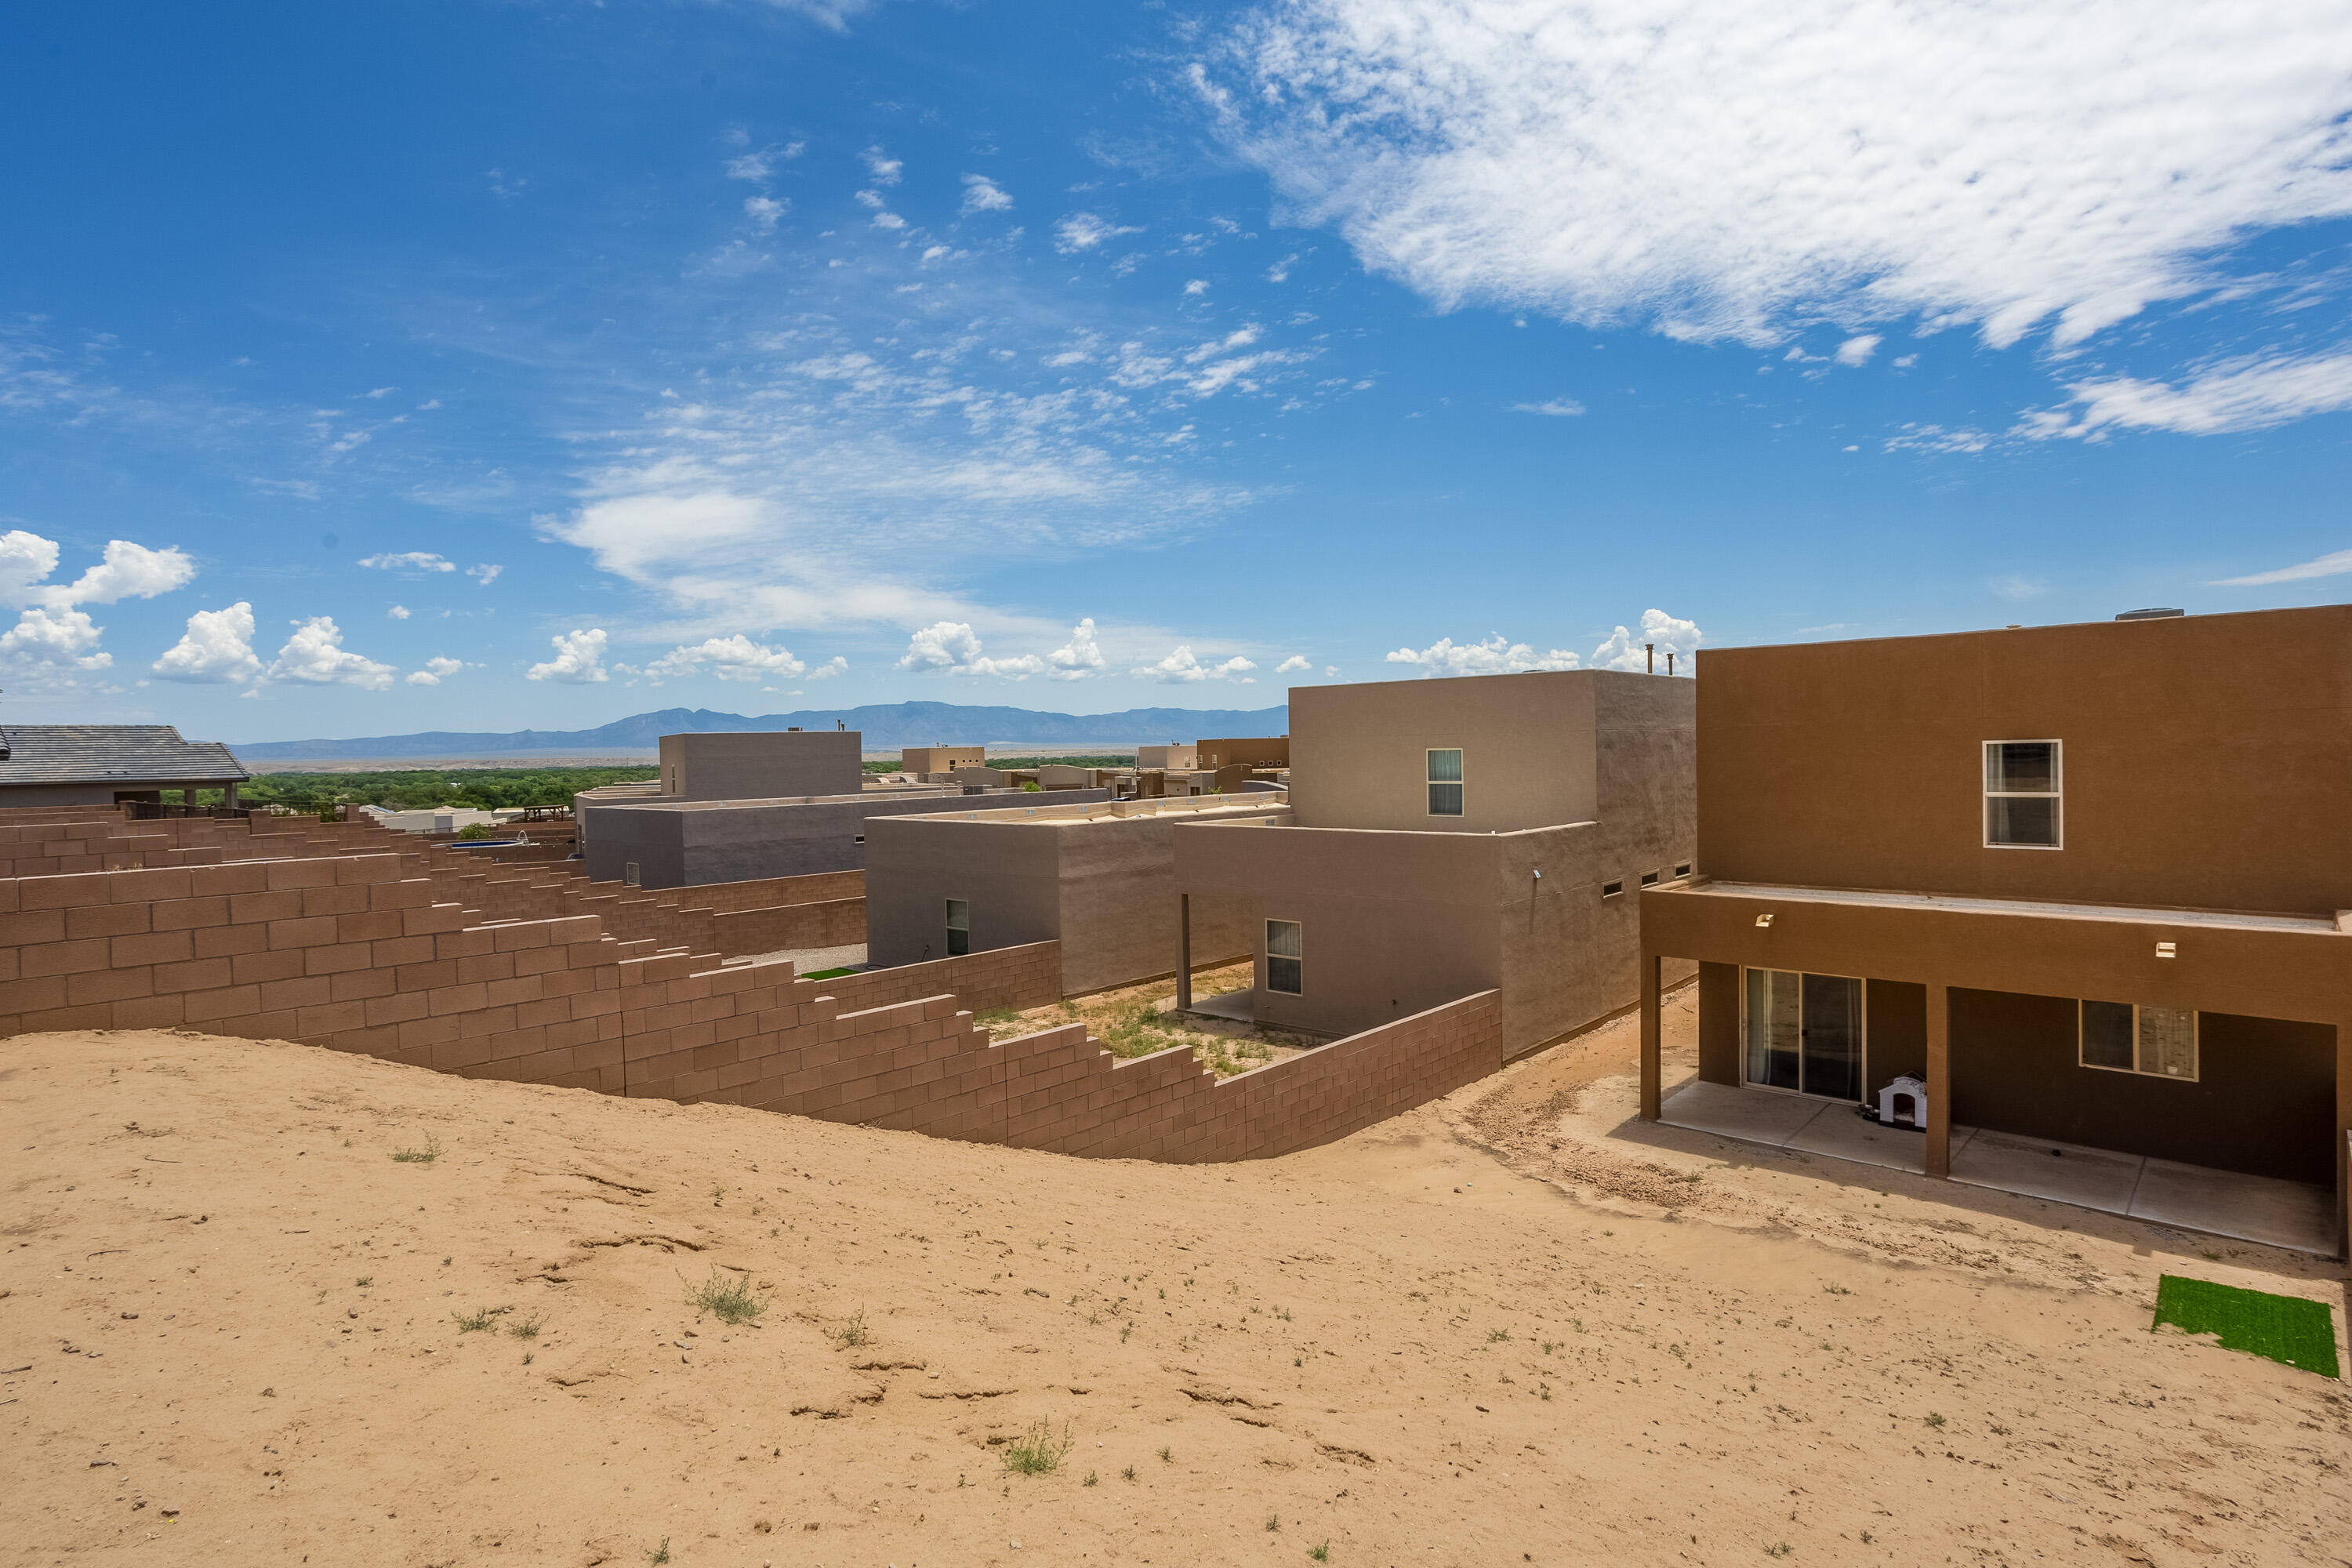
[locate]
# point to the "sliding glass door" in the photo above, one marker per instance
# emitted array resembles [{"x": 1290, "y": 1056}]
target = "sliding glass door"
[{"x": 1804, "y": 1033}]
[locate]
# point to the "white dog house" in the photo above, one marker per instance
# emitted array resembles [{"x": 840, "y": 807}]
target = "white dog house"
[{"x": 1904, "y": 1103}]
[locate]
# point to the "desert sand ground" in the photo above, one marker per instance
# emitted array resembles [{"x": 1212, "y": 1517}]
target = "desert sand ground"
[{"x": 1499, "y": 1330}]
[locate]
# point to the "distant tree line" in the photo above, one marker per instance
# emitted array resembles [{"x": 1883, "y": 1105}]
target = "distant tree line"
[
  {"x": 478, "y": 789},
  {"x": 1125, "y": 761}
]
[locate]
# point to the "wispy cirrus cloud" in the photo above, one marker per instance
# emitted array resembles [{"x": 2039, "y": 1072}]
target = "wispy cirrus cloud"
[{"x": 1715, "y": 174}]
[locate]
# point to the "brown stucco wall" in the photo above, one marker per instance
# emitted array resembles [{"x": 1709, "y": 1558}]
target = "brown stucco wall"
[
  {"x": 760, "y": 764},
  {"x": 2208, "y": 761},
  {"x": 1719, "y": 1024}
]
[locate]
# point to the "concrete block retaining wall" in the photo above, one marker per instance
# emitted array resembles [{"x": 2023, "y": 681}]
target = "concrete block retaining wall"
[{"x": 352, "y": 953}]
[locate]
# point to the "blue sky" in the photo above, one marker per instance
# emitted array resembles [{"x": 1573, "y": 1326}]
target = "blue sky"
[{"x": 376, "y": 367}]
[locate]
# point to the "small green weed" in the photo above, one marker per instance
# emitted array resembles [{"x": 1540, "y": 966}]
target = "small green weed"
[
  {"x": 1090, "y": 1479},
  {"x": 1935, "y": 1419},
  {"x": 1780, "y": 1549},
  {"x": 424, "y": 1156},
  {"x": 726, "y": 1297},
  {"x": 1498, "y": 1336},
  {"x": 1273, "y": 1523},
  {"x": 1039, "y": 1451},
  {"x": 851, "y": 1332},
  {"x": 1320, "y": 1553},
  {"x": 480, "y": 1318},
  {"x": 1167, "y": 1457},
  {"x": 1128, "y": 1474},
  {"x": 526, "y": 1330},
  {"x": 659, "y": 1553},
  {"x": 364, "y": 1280}
]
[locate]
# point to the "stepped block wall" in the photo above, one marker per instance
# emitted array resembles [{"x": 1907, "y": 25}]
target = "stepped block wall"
[{"x": 350, "y": 951}]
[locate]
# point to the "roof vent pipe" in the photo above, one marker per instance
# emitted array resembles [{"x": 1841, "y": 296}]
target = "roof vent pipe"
[{"x": 2156, "y": 614}]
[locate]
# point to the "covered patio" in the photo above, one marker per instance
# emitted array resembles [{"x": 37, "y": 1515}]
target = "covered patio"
[
  {"x": 2266, "y": 1209},
  {"x": 2250, "y": 1140}
]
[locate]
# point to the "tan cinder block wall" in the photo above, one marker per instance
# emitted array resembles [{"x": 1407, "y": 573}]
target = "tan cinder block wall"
[{"x": 348, "y": 952}]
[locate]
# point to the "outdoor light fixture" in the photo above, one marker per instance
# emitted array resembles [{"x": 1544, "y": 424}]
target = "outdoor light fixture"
[
  {"x": 1539, "y": 874},
  {"x": 1763, "y": 921},
  {"x": 2166, "y": 950}
]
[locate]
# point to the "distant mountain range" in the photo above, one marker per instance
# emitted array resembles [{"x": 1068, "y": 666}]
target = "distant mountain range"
[{"x": 883, "y": 726}]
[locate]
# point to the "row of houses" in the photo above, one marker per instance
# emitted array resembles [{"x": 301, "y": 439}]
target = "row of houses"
[{"x": 2060, "y": 910}]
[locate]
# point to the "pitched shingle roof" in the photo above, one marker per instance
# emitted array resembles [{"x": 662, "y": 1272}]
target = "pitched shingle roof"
[{"x": 112, "y": 753}]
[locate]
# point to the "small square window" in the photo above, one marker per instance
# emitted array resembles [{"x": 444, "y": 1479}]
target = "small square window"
[
  {"x": 959, "y": 928},
  {"x": 2023, "y": 785},
  {"x": 1285, "y": 956},
  {"x": 2160, "y": 1042},
  {"x": 1445, "y": 784},
  {"x": 1649, "y": 878},
  {"x": 861, "y": 838},
  {"x": 1610, "y": 889}
]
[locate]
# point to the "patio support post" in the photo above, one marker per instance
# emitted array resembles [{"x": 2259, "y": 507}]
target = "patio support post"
[
  {"x": 1651, "y": 1070},
  {"x": 1939, "y": 1152},
  {"x": 1184, "y": 953},
  {"x": 2343, "y": 1150}
]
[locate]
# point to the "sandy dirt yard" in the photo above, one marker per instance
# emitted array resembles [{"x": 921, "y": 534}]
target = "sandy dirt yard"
[{"x": 1505, "y": 1329}]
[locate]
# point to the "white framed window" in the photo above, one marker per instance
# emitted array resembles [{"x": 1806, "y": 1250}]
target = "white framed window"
[
  {"x": 2022, "y": 784},
  {"x": 2123, "y": 1036},
  {"x": 1649, "y": 878},
  {"x": 959, "y": 928},
  {"x": 1682, "y": 870},
  {"x": 1610, "y": 889},
  {"x": 1445, "y": 784},
  {"x": 1284, "y": 954},
  {"x": 629, "y": 875}
]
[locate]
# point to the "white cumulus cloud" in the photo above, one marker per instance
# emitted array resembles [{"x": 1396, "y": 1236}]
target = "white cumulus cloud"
[
  {"x": 485, "y": 573},
  {"x": 1180, "y": 668},
  {"x": 315, "y": 655},
  {"x": 217, "y": 649},
  {"x": 1295, "y": 662},
  {"x": 52, "y": 637},
  {"x": 1623, "y": 649},
  {"x": 1496, "y": 655},
  {"x": 735, "y": 657},
  {"x": 435, "y": 669},
  {"x": 1075, "y": 658},
  {"x": 579, "y": 659},
  {"x": 1857, "y": 350},
  {"x": 398, "y": 612}
]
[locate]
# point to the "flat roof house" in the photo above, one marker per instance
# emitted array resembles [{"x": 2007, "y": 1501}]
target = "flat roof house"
[
  {"x": 924, "y": 760},
  {"x": 761, "y": 764},
  {"x": 1097, "y": 876},
  {"x": 2076, "y": 894},
  {"x": 106, "y": 765},
  {"x": 1446, "y": 837}
]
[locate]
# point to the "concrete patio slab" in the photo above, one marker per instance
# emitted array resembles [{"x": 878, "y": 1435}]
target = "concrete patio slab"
[
  {"x": 1839, "y": 1132},
  {"x": 2226, "y": 1203},
  {"x": 1755, "y": 1116},
  {"x": 2039, "y": 1168},
  {"x": 1234, "y": 1007}
]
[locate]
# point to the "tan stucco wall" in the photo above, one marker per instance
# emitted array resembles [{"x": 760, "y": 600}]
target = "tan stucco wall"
[
  {"x": 2207, "y": 760},
  {"x": 1530, "y": 747},
  {"x": 1105, "y": 888},
  {"x": 924, "y": 760}
]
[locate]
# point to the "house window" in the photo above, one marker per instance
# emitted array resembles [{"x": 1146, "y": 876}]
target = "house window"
[
  {"x": 2021, "y": 788},
  {"x": 959, "y": 928},
  {"x": 1445, "y": 784},
  {"x": 2120, "y": 1037},
  {"x": 1682, "y": 870},
  {"x": 1610, "y": 889},
  {"x": 629, "y": 875},
  {"x": 861, "y": 838},
  {"x": 1649, "y": 878},
  {"x": 1283, "y": 953}
]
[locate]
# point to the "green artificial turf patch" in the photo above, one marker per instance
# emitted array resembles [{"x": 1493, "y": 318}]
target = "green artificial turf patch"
[
  {"x": 826, "y": 973},
  {"x": 2283, "y": 1328}
]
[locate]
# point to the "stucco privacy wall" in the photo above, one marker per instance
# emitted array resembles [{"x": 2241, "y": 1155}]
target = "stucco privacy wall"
[
  {"x": 346, "y": 953},
  {"x": 1100, "y": 880},
  {"x": 688, "y": 844}
]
